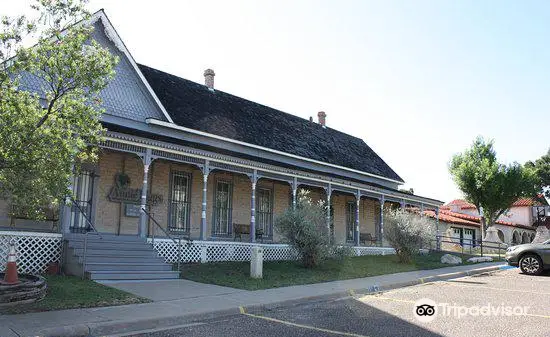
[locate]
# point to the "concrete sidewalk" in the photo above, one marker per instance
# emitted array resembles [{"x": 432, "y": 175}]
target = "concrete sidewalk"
[{"x": 205, "y": 304}]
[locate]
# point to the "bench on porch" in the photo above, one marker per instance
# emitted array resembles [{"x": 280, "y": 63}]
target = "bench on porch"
[
  {"x": 40, "y": 225},
  {"x": 367, "y": 238},
  {"x": 244, "y": 229}
]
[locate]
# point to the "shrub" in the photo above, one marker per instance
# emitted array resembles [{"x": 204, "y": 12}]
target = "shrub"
[
  {"x": 407, "y": 232},
  {"x": 304, "y": 228}
]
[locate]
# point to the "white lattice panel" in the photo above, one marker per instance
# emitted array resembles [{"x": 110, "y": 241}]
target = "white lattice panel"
[
  {"x": 362, "y": 251},
  {"x": 34, "y": 250},
  {"x": 216, "y": 251}
]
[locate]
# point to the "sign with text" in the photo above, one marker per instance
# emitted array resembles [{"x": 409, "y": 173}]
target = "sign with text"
[{"x": 121, "y": 192}]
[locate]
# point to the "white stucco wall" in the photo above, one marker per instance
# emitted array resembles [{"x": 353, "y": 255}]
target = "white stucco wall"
[{"x": 520, "y": 215}]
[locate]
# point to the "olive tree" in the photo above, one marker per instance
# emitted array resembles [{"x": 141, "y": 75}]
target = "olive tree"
[
  {"x": 407, "y": 232},
  {"x": 304, "y": 228}
]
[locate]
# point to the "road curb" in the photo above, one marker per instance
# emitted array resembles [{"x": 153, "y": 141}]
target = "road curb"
[
  {"x": 129, "y": 326},
  {"x": 136, "y": 325}
]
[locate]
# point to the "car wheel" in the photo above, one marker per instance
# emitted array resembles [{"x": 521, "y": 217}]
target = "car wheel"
[{"x": 530, "y": 264}]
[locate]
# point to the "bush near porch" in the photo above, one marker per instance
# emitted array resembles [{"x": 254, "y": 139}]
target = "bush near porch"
[
  {"x": 287, "y": 273},
  {"x": 70, "y": 292}
]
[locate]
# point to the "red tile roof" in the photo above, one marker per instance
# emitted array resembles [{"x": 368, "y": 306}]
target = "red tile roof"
[
  {"x": 463, "y": 204},
  {"x": 466, "y": 219},
  {"x": 522, "y": 202},
  {"x": 526, "y": 202},
  {"x": 449, "y": 218}
]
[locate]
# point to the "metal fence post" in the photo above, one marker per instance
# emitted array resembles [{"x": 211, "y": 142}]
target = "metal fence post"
[{"x": 481, "y": 247}]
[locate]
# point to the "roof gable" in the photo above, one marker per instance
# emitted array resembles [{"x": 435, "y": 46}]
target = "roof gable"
[
  {"x": 194, "y": 106},
  {"x": 128, "y": 94}
]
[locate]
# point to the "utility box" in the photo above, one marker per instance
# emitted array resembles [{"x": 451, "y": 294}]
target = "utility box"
[{"x": 256, "y": 262}]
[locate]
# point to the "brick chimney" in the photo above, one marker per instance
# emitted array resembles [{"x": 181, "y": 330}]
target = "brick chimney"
[
  {"x": 322, "y": 117},
  {"x": 209, "y": 78}
]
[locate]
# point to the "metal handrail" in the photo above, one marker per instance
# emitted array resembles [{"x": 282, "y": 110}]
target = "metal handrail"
[
  {"x": 89, "y": 222},
  {"x": 471, "y": 243},
  {"x": 177, "y": 242},
  {"x": 94, "y": 232}
]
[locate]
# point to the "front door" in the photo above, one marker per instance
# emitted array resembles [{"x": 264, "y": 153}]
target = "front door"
[
  {"x": 179, "y": 203},
  {"x": 264, "y": 212},
  {"x": 221, "y": 224},
  {"x": 81, "y": 209}
]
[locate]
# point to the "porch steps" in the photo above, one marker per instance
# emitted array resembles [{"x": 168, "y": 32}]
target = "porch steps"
[
  {"x": 112, "y": 257},
  {"x": 116, "y": 252},
  {"x": 129, "y": 275}
]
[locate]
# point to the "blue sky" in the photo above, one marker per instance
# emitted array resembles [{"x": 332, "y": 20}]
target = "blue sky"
[{"x": 417, "y": 80}]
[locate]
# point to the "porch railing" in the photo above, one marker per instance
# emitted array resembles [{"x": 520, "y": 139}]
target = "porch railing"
[
  {"x": 90, "y": 230},
  {"x": 176, "y": 241}
]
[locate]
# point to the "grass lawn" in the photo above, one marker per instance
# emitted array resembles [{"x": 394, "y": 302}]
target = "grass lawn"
[
  {"x": 287, "y": 273},
  {"x": 68, "y": 292}
]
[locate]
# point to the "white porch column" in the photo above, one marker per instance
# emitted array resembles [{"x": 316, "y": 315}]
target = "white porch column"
[
  {"x": 381, "y": 229},
  {"x": 329, "y": 194},
  {"x": 357, "y": 232},
  {"x": 142, "y": 216},
  {"x": 204, "y": 228},
  {"x": 254, "y": 179}
]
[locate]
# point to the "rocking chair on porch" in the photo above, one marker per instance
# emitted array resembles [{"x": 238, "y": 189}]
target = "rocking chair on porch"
[
  {"x": 244, "y": 229},
  {"x": 367, "y": 238}
]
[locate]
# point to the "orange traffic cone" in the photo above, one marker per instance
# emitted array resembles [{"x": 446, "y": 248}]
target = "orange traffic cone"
[{"x": 10, "y": 276}]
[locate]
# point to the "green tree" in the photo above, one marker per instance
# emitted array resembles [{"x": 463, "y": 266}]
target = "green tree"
[
  {"x": 541, "y": 167},
  {"x": 492, "y": 187},
  {"x": 45, "y": 133}
]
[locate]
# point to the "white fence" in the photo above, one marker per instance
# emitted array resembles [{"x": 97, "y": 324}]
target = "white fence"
[
  {"x": 217, "y": 251},
  {"x": 34, "y": 250}
]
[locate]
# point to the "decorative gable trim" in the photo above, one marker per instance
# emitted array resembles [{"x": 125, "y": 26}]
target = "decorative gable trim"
[{"x": 113, "y": 36}]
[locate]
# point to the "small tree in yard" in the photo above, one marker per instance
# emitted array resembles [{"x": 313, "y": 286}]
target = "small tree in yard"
[
  {"x": 407, "y": 232},
  {"x": 305, "y": 230},
  {"x": 489, "y": 185},
  {"x": 541, "y": 167},
  {"x": 46, "y": 131}
]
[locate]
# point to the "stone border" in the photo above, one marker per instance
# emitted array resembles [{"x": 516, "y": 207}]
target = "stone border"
[{"x": 26, "y": 292}]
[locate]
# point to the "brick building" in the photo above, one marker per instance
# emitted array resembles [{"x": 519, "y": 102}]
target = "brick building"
[{"x": 208, "y": 165}]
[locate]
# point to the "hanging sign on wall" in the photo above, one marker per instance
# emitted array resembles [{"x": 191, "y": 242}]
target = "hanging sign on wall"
[{"x": 121, "y": 192}]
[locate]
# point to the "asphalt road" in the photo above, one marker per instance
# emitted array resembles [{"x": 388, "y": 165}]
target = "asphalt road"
[{"x": 392, "y": 313}]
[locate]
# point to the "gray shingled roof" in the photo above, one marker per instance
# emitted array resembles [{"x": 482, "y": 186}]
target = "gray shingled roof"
[{"x": 194, "y": 106}]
